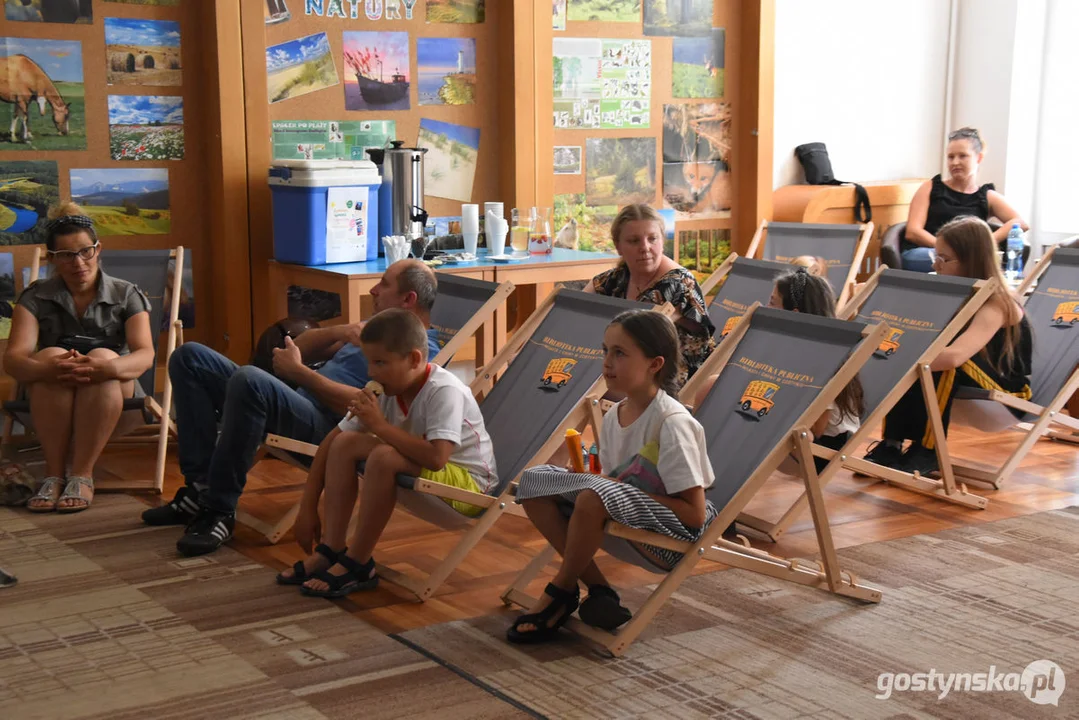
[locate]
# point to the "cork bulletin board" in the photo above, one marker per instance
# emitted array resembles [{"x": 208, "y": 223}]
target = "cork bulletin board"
[
  {"x": 678, "y": 137},
  {"x": 153, "y": 201},
  {"x": 492, "y": 93}
]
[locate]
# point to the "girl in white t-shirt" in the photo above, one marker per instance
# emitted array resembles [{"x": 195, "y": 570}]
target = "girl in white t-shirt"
[{"x": 657, "y": 469}]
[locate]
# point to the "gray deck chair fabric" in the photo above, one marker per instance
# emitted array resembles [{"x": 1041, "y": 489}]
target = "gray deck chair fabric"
[
  {"x": 534, "y": 394},
  {"x": 834, "y": 243},
  {"x": 149, "y": 270},
  {"x": 748, "y": 281},
  {"x": 796, "y": 353},
  {"x": 920, "y": 306},
  {"x": 1053, "y": 313},
  {"x": 458, "y": 299}
]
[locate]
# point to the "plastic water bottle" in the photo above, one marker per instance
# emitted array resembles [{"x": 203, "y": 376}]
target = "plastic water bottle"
[{"x": 1014, "y": 271}]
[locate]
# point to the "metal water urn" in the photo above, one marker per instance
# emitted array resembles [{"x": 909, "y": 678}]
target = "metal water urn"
[{"x": 401, "y": 210}]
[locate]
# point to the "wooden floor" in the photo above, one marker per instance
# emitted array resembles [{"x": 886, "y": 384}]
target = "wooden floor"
[{"x": 860, "y": 512}]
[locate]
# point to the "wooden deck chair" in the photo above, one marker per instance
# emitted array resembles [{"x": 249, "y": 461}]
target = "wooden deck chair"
[
  {"x": 925, "y": 313},
  {"x": 745, "y": 282},
  {"x": 841, "y": 246},
  {"x": 802, "y": 363},
  {"x": 553, "y": 366},
  {"x": 462, "y": 307},
  {"x": 1053, "y": 313},
  {"x": 149, "y": 269}
]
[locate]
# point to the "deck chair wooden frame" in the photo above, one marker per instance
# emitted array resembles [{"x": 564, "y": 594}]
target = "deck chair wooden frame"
[
  {"x": 286, "y": 449},
  {"x": 1050, "y": 420},
  {"x": 948, "y": 488},
  {"x": 585, "y": 412},
  {"x": 162, "y": 428},
  {"x": 824, "y": 574},
  {"x": 757, "y": 244}
]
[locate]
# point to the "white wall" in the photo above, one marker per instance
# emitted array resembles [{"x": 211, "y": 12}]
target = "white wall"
[
  {"x": 1056, "y": 191},
  {"x": 865, "y": 77}
]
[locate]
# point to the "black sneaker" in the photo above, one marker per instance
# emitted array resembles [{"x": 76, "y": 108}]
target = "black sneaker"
[
  {"x": 881, "y": 453},
  {"x": 180, "y": 511},
  {"x": 921, "y": 460},
  {"x": 207, "y": 532}
]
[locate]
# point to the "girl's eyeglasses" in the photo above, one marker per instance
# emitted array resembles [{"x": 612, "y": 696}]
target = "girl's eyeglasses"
[{"x": 68, "y": 256}]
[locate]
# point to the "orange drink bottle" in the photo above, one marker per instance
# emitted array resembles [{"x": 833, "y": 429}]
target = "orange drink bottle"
[{"x": 576, "y": 450}]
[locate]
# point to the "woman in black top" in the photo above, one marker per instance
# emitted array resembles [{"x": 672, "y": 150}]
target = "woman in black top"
[
  {"x": 645, "y": 274},
  {"x": 938, "y": 201},
  {"x": 994, "y": 352}
]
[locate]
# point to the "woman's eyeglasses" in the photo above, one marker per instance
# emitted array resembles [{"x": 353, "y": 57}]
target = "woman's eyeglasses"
[{"x": 68, "y": 256}]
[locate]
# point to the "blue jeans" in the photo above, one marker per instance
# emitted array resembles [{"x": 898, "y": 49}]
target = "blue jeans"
[
  {"x": 918, "y": 259},
  {"x": 209, "y": 389}
]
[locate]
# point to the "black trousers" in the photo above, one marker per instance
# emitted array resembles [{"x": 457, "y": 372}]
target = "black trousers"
[{"x": 909, "y": 420}]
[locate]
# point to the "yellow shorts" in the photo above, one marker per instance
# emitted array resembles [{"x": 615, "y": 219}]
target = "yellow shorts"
[{"x": 455, "y": 476}]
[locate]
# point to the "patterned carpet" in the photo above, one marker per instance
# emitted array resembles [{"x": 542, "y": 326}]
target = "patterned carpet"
[
  {"x": 739, "y": 645},
  {"x": 108, "y": 622}
]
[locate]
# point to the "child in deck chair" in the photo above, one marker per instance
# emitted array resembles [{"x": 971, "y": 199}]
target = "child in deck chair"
[
  {"x": 658, "y": 469},
  {"x": 802, "y": 291},
  {"x": 422, "y": 422},
  {"x": 993, "y": 352}
]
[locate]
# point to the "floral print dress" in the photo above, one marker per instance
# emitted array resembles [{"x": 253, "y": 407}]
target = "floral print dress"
[{"x": 679, "y": 288}]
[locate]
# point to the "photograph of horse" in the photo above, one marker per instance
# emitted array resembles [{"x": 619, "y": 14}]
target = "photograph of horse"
[{"x": 48, "y": 74}]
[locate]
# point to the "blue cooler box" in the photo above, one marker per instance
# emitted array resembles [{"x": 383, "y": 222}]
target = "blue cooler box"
[{"x": 301, "y": 191}]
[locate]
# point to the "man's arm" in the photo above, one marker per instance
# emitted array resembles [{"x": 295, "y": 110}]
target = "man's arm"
[
  {"x": 288, "y": 365},
  {"x": 320, "y": 344}
]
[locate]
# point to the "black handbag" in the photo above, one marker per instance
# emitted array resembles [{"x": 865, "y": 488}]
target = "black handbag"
[{"x": 818, "y": 171}]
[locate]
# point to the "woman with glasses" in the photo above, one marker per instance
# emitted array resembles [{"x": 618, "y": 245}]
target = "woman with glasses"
[
  {"x": 993, "y": 352},
  {"x": 939, "y": 201},
  {"x": 79, "y": 340}
]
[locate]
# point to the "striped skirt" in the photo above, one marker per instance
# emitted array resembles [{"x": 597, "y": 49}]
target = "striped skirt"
[{"x": 624, "y": 503}]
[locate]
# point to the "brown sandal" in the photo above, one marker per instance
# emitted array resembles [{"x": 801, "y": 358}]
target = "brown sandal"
[
  {"x": 49, "y": 492},
  {"x": 73, "y": 491}
]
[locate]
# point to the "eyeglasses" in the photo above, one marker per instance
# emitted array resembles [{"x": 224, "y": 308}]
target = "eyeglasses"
[
  {"x": 68, "y": 256},
  {"x": 942, "y": 260}
]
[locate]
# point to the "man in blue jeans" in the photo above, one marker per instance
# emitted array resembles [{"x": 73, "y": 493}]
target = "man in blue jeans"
[{"x": 247, "y": 403}]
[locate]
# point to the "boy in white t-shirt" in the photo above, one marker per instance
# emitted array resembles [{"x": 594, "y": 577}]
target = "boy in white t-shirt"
[{"x": 413, "y": 419}]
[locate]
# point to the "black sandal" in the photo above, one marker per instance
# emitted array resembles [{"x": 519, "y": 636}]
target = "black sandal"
[
  {"x": 603, "y": 608},
  {"x": 563, "y": 604},
  {"x": 360, "y": 576},
  {"x": 299, "y": 575}
]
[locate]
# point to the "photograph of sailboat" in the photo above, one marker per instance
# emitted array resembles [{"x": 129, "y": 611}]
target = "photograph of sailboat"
[{"x": 377, "y": 71}]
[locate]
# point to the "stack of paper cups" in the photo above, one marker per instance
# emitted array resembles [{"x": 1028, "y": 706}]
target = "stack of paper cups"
[
  {"x": 470, "y": 226},
  {"x": 497, "y": 229},
  {"x": 491, "y": 209}
]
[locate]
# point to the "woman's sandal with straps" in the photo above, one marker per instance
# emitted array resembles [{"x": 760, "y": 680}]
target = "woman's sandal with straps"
[
  {"x": 299, "y": 575},
  {"x": 563, "y": 604},
  {"x": 73, "y": 491},
  {"x": 49, "y": 492},
  {"x": 360, "y": 576}
]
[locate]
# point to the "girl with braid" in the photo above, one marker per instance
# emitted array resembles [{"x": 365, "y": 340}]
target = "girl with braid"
[{"x": 79, "y": 340}]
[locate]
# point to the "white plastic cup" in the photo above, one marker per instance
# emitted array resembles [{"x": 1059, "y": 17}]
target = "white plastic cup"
[
  {"x": 470, "y": 219},
  {"x": 471, "y": 242},
  {"x": 494, "y": 207},
  {"x": 496, "y": 240}
]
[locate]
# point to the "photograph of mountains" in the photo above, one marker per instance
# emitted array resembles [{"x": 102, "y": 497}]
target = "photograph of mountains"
[{"x": 124, "y": 202}]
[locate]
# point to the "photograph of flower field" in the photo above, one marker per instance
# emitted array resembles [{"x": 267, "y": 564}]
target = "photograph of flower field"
[{"x": 146, "y": 127}]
